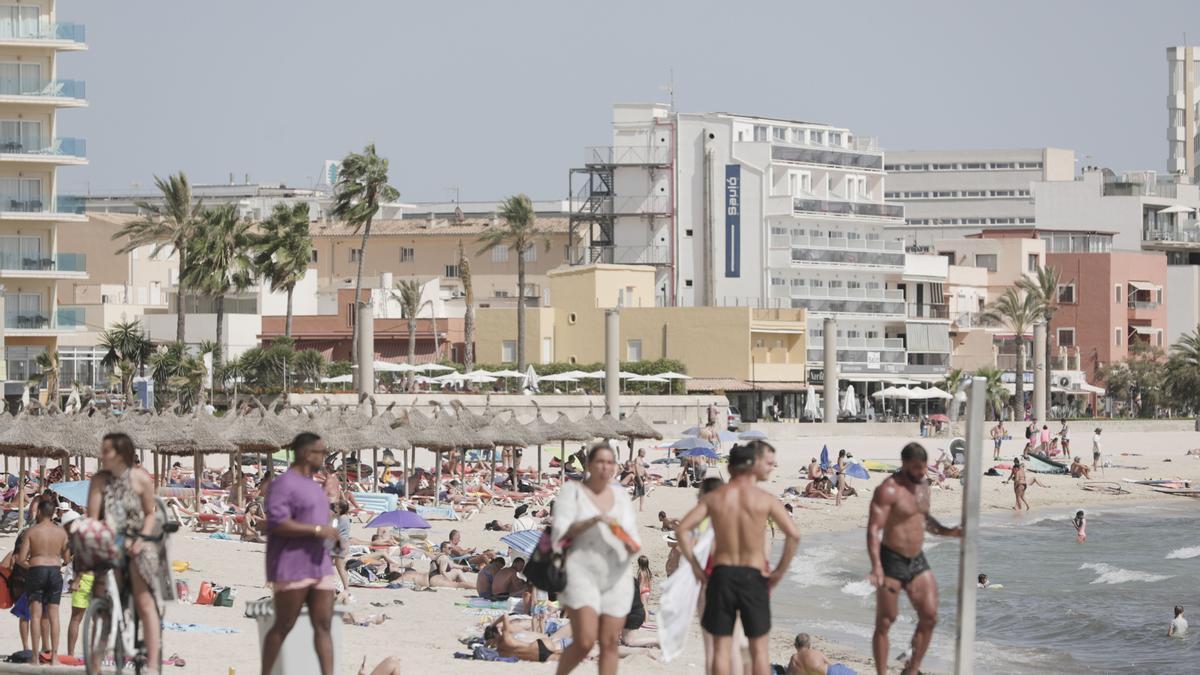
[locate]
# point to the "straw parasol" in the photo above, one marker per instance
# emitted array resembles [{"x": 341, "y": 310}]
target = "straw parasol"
[
  {"x": 563, "y": 430},
  {"x": 636, "y": 427},
  {"x": 26, "y": 438}
]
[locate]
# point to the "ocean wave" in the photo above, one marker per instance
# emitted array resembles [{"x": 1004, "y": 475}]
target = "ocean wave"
[
  {"x": 860, "y": 589},
  {"x": 816, "y": 567},
  {"x": 1184, "y": 553},
  {"x": 1108, "y": 574}
]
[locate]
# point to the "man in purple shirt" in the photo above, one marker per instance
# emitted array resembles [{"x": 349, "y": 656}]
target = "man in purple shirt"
[{"x": 299, "y": 536}]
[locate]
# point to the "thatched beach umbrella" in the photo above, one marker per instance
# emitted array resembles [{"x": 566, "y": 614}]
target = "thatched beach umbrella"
[
  {"x": 540, "y": 429},
  {"x": 634, "y": 427},
  {"x": 563, "y": 430},
  {"x": 27, "y": 438}
]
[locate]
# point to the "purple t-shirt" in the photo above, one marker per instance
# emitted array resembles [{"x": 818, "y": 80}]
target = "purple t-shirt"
[{"x": 299, "y": 498}]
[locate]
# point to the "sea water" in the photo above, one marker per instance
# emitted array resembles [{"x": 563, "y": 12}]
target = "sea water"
[{"x": 1101, "y": 606}]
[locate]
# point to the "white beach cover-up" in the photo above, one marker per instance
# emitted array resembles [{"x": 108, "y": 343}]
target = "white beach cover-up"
[{"x": 680, "y": 595}]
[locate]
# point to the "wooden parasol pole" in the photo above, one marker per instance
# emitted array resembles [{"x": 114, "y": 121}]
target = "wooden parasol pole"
[
  {"x": 21, "y": 490},
  {"x": 437, "y": 480},
  {"x": 198, "y": 471},
  {"x": 539, "y": 477}
]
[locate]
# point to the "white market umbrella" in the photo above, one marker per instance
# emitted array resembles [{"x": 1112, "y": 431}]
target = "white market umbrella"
[
  {"x": 935, "y": 392},
  {"x": 850, "y": 401},
  {"x": 648, "y": 378},
  {"x": 812, "y": 408},
  {"x": 594, "y": 375},
  {"x": 479, "y": 376},
  {"x": 433, "y": 368},
  {"x": 530, "y": 380},
  {"x": 389, "y": 367},
  {"x": 674, "y": 376},
  {"x": 558, "y": 377},
  {"x": 340, "y": 379},
  {"x": 505, "y": 373}
]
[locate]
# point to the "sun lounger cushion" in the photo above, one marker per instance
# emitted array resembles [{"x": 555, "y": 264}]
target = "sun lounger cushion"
[
  {"x": 437, "y": 513},
  {"x": 377, "y": 502}
]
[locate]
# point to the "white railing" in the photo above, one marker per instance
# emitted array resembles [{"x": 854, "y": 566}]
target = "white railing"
[
  {"x": 627, "y": 154},
  {"x": 848, "y": 293},
  {"x": 848, "y": 244},
  {"x": 875, "y": 344}
]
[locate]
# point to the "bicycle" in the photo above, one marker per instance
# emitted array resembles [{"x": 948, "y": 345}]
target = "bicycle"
[{"x": 111, "y": 638}]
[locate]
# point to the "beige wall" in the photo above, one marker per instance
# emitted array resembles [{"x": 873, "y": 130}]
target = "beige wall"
[
  {"x": 972, "y": 350},
  {"x": 603, "y": 286},
  {"x": 432, "y": 253},
  {"x": 1012, "y": 257},
  {"x": 495, "y": 325}
]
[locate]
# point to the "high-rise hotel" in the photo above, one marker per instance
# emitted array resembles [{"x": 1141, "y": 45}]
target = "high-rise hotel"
[{"x": 35, "y": 223}]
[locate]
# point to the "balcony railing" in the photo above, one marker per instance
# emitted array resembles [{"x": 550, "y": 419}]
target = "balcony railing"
[
  {"x": 61, "y": 262},
  {"x": 73, "y": 89},
  {"x": 43, "y": 30},
  {"x": 857, "y": 356},
  {"x": 1009, "y": 362},
  {"x": 69, "y": 317},
  {"x": 849, "y": 306},
  {"x": 629, "y": 255},
  {"x": 1143, "y": 304},
  {"x": 840, "y": 208},
  {"x": 64, "y": 205},
  {"x": 627, "y": 155},
  {"x": 826, "y": 157},
  {"x": 849, "y": 293},
  {"x": 846, "y": 257},
  {"x": 1188, "y": 233},
  {"x": 928, "y": 311},
  {"x": 869, "y": 344},
  {"x": 848, "y": 244},
  {"x": 965, "y": 320},
  {"x": 59, "y": 147}
]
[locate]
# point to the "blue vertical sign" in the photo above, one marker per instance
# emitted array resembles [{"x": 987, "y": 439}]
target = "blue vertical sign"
[{"x": 733, "y": 220}]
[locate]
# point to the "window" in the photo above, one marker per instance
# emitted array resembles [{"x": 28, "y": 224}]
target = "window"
[
  {"x": 779, "y": 133},
  {"x": 687, "y": 233},
  {"x": 835, "y": 138},
  {"x": 760, "y": 133},
  {"x": 508, "y": 351},
  {"x": 501, "y": 293},
  {"x": 20, "y": 135},
  {"x": 530, "y": 254},
  {"x": 798, "y": 135},
  {"x": 986, "y": 261},
  {"x": 1158, "y": 338},
  {"x": 1117, "y": 336},
  {"x": 354, "y": 254},
  {"x": 816, "y": 137},
  {"x": 799, "y": 183},
  {"x": 451, "y": 272},
  {"x": 633, "y": 350},
  {"x": 1034, "y": 262},
  {"x": 407, "y": 254},
  {"x": 19, "y": 22},
  {"x": 1066, "y": 337},
  {"x": 1066, "y": 294},
  {"x": 20, "y": 78},
  {"x": 687, "y": 283},
  {"x": 500, "y": 254},
  {"x": 856, "y": 188},
  {"x": 1117, "y": 294},
  {"x": 313, "y": 258},
  {"x": 350, "y": 312}
]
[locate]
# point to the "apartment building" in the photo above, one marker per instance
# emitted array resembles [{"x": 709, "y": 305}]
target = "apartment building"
[
  {"x": 738, "y": 210},
  {"x": 1183, "y": 94},
  {"x": 37, "y": 226},
  {"x": 953, "y": 193}
]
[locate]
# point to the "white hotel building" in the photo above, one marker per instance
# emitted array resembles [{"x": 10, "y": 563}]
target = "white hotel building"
[{"x": 745, "y": 210}]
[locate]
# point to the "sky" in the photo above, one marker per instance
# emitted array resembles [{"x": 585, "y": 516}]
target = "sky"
[{"x": 486, "y": 98}]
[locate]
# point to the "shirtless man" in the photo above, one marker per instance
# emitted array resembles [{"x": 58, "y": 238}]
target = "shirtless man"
[
  {"x": 896, "y": 529},
  {"x": 738, "y": 512},
  {"x": 444, "y": 574},
  {"x": 44, "y": 552},
  {"x": 806, "y": 660},
  {"x": 506, "y": 584},
  {"x": 640, "y": 476},
  {"x": 484, "y": 580},
  {"x": 814, "y": 470},
  {"x": 1020, "y": 480},
  {"x": 667, "y": 524},
  {"x": 523, "y": 645}
]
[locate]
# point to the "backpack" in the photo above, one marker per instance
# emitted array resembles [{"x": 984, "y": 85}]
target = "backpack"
[
  {"x": 93, "y": 544},
  {"x": 546, "y": 568}
]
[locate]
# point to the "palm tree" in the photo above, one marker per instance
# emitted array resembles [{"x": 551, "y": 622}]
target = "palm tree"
[
  {"x": 994, "y": 390},
  {"x": 174, "y": 224},
  {"x": 47, "y": 364},
  {"x": 1187, "y": 348},
  {"x": 362, "y": 185},
  {"x": 221, "y": 262},
  {"x": 520, "y": 233},
  {"x": 952, "y": 379},
  {"x": 464, "y": 273},
  {"x": 1017, "y": 311},
  {"x": 310, "y": 365},
  {"x": 1043, "y": 286},
  {"x": 408, "y": 295},
  {"x": 128, "y": 351},
  {"x": 284, "y": 250}
]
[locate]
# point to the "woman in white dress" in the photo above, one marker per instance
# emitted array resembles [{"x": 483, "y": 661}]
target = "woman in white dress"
[{"x": 597, "y": 517}]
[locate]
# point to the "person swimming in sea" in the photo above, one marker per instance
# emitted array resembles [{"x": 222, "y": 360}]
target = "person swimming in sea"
[{"x": 1080, "y": 524}]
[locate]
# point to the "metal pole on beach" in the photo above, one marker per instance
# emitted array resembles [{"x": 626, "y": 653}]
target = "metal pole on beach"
[
  {"x": 612, "y": 362},
  {"x": 968, "y": 562}
]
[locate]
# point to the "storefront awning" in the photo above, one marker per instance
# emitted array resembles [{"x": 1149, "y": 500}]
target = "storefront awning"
[
  {"x": 1145, "y": 330},
  {"x": 1143, "y": 286},
  {"x": 1178, "y": 208}
]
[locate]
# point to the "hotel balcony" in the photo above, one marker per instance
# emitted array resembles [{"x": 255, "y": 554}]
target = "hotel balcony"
[
  {"x": 928, "y": 311},
  {"x": 876, "y": 303},
  {"x": 826, "y": 207},
  {"x": 33, "y": 266},
  {"x": 1143, "y": 309},
  {"x": 58, "y": 93},
  {"x": 67, "y": 319},
  {"x": 25, "y": 208},
  {"x": 62, "y": 151},
  {"x": 629, "y": 255},
  {"x": 964, "y": 321},
  {"x": 826, "y": 156},
  {"x": 856, "y": 252},
  {"x": 62, "y": 36},
  {"x": 861, "y": 350}
]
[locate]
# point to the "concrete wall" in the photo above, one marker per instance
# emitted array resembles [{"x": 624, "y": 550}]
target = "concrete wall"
[
  {"x": 1183, "y": 300},
  {"x": 495, "y": 325}
]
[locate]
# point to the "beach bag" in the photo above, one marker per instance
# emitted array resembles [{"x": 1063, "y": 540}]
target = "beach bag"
[
  {"x": 205, "y": 595},
  {"x": 93, "y": 544},
  {"x": 6, "y": 596},
  {"x": 546, "y": 568},
  {"x": 224, "y": 598}
]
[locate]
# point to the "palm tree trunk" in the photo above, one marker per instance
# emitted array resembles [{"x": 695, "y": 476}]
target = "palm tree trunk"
[
  {"x": 362, "y": 255},
  {"x": 287, "y": 326},
  {"x": 412, "y": 345},
  {"x": 219, "y": 357},
  {"x": 520, "y": 309},
  {"x": 127, "y": 380},
  {"x": 1049, "y": 362},
  {"x": 180, "y": 310}
]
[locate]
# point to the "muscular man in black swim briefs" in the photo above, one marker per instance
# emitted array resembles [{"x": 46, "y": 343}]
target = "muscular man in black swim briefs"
[{"x": 895, "y": 533}]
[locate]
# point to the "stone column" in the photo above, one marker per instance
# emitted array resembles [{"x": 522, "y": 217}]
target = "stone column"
[
  {"x": 1040, "y": 393},
  {"x": 365, "y": 381},
  {"x": 612, "y": 362},
  {"x": 831, "y": 371}
]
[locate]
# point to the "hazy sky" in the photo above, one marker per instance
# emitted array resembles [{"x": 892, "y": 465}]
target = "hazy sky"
[{"x": 500, "y": 96}]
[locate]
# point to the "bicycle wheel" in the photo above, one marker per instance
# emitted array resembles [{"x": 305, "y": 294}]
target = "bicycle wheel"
[{"x": 97, "y": 630}]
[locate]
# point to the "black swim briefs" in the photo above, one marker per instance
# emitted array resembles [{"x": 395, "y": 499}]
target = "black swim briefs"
[
  {"x": 44, "y": 584},
  {"x": 543, "y": 651},
  {"x": 902, "y": 568},
  {"x": 734, "y": 591}
]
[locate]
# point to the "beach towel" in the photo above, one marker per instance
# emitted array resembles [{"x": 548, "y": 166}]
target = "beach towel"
[
  {"x": 437, "y": 513},
  {"x": 198, "y": 628},
  {"x": 677, "y": 605}
]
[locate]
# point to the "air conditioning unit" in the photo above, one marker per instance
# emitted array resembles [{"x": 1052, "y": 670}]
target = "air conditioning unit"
[{"x": 1064, "y": 381}]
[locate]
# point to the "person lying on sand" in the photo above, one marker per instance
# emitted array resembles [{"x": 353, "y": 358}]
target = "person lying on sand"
[
  {"x": 351, "y": 619},
  {"x": 1079, "y": 469},
  {"x": 806, "y": 660},
  {"x": 523, "y": 645},
  {"x": 443, "y": 573},
  {"x": 388, "y": 666},
  {"x": 816, "y": 490}
]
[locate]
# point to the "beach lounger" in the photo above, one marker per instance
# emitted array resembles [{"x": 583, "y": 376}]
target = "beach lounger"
[
  {"x": 437, "y": 513},
  {"x": 375, "y": 502}
]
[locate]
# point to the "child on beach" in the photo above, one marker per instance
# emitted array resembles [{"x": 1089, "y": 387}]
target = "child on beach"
[
  {"x": 1080, "y": 524},
  {"x": 645, "y": 578}
]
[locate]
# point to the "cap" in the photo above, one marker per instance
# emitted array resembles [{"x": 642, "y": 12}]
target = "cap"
[
  {"x": 68, "y": 518},
  {"x": 741, "y": 456}
]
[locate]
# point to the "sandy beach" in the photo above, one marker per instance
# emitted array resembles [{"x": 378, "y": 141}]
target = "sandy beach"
[{"x": 425, "y": 630}]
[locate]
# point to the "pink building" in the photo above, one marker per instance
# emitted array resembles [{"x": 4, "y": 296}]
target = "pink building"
[{"x": 1107, "y": 302}]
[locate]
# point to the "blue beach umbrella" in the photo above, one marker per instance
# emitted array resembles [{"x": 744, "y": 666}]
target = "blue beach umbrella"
[
  {"x": 524, "y": 541},
  {"x": 700, "y": 452},
  {"x": 73, "y": 491},
  {"x": 856, "y": 470},
  {"x": 824, "y": 458},
  {"x": 689, "y": 443}
]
